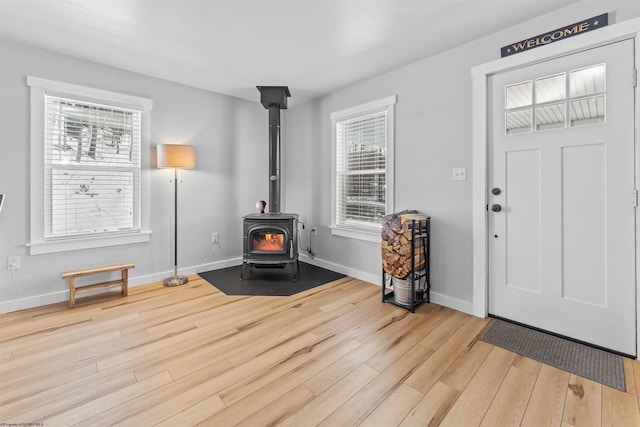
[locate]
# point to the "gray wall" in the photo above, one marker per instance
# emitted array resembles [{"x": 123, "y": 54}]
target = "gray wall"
[
  {"x": 433, "y": 135},
  {"x": 230, "y": 140}
]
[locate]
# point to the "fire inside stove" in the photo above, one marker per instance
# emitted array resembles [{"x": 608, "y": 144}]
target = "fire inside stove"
[{"x": 268, "y": 242}]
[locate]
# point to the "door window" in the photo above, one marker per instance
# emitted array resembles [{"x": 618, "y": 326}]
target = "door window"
[
  {"x": 544, "y": 101},
  {"x": 587, "y": 90},
  {"x": 518, "y": 101}
]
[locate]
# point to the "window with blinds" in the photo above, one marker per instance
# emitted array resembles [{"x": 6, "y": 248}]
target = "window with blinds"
[
  {"x": 92, "y": 168},
  {"x": 363, "y": 165},
  {"x": 361, "y": 169}
]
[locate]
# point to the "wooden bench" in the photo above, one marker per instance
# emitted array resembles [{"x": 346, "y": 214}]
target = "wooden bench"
[{"x": 73, "y": 274}]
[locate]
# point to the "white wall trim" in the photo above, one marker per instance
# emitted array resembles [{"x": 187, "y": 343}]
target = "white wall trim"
[
  {"x": 358, "y": 109},
  {"x": 436, "y": 297},
  {"x": 24, "y": 303},
  {"x": 54, "y": 87},
  {"x": 99, "y": 241},
  {"x": 450, "y": 302},
  {"x": 40, "y": 87},
  {"x": 480, "y": 139},
  {"x": 357, "y": 274},
  {"x": 366, "y": 235},
  {"x": 388, "y": 105}
]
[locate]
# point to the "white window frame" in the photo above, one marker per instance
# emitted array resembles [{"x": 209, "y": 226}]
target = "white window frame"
[
  {"x": 40, "y": 87},
  {"x": 370, "y": 234}
]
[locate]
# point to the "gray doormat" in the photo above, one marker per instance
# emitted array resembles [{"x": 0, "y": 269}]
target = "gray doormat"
[{"x": 588, "y": 362}]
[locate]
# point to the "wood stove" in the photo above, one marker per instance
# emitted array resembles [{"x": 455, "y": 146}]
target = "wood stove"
[{"x": 271, "y": 239}]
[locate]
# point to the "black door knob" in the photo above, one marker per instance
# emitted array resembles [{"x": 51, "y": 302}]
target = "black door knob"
[
  {"x": 496, "y": 208},
  {"x": 496, "y": 191}
]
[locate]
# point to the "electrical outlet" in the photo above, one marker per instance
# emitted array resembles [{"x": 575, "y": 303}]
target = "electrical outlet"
[
  {"x": 13, "y": 263},
  {"x": 314, "y": 230},
  {"x": 215, "y": 236}
]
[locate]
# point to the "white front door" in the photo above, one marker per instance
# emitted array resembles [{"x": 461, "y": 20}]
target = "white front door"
[{"x": 561, "y": 196}]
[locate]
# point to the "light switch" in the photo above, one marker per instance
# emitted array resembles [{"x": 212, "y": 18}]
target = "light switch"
[{"x": 459, "y": 174}]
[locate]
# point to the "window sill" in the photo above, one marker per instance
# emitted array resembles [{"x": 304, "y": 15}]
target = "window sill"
[
  {"x": 47, "y": 247},
  {"x": 356, "y": 233}
]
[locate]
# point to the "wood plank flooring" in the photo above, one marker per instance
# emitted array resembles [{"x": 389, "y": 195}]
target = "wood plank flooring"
[{"x": 331, "y": 356}]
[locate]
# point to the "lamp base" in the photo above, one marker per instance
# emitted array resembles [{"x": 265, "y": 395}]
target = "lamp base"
[{"x": 176, "y": 280}]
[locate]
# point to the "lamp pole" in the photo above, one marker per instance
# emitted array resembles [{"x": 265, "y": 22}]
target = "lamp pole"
[
  {"x": 176, "y": 279},
  {"x": 175, "y": 224},
  {"x": 177, "y": 157}
]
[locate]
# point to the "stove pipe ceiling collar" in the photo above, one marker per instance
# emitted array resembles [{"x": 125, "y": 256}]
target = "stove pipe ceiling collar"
[{"x": 274, "y": 98}]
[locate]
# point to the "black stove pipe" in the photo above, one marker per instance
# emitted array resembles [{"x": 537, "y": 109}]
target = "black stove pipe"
[
  {"x": 274, "y": 159},
  {"x": 274, "y": 98}
]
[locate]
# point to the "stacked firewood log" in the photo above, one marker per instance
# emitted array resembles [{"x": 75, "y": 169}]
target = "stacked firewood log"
[{"x": 396, "y": 244}]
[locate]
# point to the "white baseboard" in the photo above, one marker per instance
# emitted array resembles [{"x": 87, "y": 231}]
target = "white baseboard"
[
  {"x": 195, "y": 269},
  {"x": 34, "y": 301},
  {"x": 454, "y": 303},
  {"x": 24, "y": 303},
  {"x": 361, "y": 275},
  {"x": 436, "y": 298},
  {"x": 60, "y": 296}
]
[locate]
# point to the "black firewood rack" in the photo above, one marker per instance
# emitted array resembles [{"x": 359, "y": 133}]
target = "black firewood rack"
[{"x": 418, "y": 280}]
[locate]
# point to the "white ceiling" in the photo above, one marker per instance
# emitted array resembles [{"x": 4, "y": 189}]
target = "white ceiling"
[{"x": 231, "y": 46}]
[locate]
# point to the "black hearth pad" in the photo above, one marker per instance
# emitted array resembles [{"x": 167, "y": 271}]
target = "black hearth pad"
[{"x": 269, "y": 281}]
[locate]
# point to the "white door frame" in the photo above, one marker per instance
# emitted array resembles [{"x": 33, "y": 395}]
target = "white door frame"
[{"x": 480, "y": 138}]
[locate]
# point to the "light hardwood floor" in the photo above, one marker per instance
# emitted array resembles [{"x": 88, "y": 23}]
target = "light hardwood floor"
[{"x": 331, "y": 356}]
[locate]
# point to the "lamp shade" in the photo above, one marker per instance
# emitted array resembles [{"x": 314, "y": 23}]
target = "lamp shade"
[{"x": 176, "y": 156}]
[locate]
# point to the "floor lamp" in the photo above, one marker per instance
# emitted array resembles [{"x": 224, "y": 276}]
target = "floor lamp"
[{"x": 177, "y": 157}]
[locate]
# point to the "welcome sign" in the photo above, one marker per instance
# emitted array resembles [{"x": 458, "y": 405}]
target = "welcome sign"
[{"x": 556, "y": 35}]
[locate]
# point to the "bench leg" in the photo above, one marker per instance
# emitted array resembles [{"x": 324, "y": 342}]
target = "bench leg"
[
  {"x": 72, "y": 291},
  {"x": 125, "y": 282}
]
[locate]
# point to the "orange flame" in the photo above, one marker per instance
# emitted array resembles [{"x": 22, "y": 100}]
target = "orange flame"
[{"x": 268, "y": 242}]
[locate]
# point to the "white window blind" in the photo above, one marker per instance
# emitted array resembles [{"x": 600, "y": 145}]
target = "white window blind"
[
  {"x": 361, "y": 170},
  {"x": 92, "y": 168}
]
